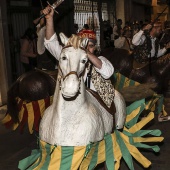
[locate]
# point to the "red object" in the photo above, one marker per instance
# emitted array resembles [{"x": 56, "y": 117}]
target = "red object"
[{"x": 90, "y": 34}]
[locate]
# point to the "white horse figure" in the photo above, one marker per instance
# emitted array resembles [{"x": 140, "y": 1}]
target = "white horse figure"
[{"x": 75, "y": 117}]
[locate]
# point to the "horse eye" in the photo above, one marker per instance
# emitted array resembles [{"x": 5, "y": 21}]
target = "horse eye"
[
  {"x": 64, "y": 58},
  {"x": 84, "y": 61}
]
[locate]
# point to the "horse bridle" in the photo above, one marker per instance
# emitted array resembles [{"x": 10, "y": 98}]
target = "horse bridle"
[{"x": 71, "y": 72}]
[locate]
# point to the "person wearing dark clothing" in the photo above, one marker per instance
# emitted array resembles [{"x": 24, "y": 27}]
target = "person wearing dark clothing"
[
  {"x": 28, "y": 52},
  {"x": 117, "y": 29},
  {"x": 147, "y": 45}
]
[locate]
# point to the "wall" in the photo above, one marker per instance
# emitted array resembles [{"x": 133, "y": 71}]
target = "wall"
[
  {"x": 120, "y": 10},
  {"x": 5, "y": 70}
]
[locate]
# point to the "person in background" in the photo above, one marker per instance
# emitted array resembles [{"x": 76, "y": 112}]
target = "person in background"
[
  {"x": 146, "y": 43},
  {"x": 107, "y": 32},
  {"x": 148, "y": 49},
  {"x": 124, "y": 40},
  {"x": 76, "y": 29},
  {"x": 165, "y": 36},
  {"x": 117, "y": 29},
  {"x": 28, "y": 52},
  {"x": 86, "y": 27}
]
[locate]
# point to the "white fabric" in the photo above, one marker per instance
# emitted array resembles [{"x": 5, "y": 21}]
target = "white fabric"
[
  {"x": 114, "y": 32},
  {"x": 55, "y": 49},
  {"x": 139, "y": 38},
  {"x": 119, "y": 43}
]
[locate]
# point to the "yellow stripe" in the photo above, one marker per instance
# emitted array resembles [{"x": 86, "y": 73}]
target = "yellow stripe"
[
  {"x": 78, "y": 156},
  {"x": 35, "y": 162},
  {"x": 153, "y": 108},
  {"x": 55, "y": 160},
  {"x": 127, "y": 82},
  {"x": 135, "y": 153},
  {"x": 116, "y": 151},
  {"x": 151, "y": 102},
  {"x": 51, "y": 99},
  {"x": 142, "y": 123},
  {"x": 133, "y": 114},
  {"x": 30, "y": 116},
  {"x": 148, "y": 139},
  {"x": 20, "y": 116},
  {"x": 101, "y": 152},
  {"x": 41, "y": 104},
  {"x": 87, "y": 160},
  {"x": 44, "y": 154},
  {"x": 6, "y": 119},
  {"x": 164, "y": 111}
]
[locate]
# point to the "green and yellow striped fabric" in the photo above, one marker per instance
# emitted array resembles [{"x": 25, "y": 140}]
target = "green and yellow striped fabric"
[
  {"x": 111, "y": 149},
  {"x": 121, "y": 81}
]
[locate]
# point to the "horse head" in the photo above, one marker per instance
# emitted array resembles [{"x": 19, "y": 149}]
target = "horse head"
[{"x": 72, "y": 62}]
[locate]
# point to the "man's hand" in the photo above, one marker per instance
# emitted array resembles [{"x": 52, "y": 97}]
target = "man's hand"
[
  {"x": 147, "y": 27},
  {"x": 94, "y": 59},
  {"x": 49, "y": 12}
]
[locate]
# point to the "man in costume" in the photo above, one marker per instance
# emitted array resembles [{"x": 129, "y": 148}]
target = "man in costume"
[
  {"x": 101, "y": 69},
  {"x": 147, "y": 44},
  {"x": 147, "y": 48}
]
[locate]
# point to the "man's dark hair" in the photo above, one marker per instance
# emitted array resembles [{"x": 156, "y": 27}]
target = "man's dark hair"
[
  {"x": 119, "y": 20},
  {"x": 86, "y": 26}
]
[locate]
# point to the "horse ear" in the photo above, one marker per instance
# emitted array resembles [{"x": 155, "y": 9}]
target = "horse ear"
[
  {"x": 63, "y": 38},
  {"x": 84, "y": 43}
]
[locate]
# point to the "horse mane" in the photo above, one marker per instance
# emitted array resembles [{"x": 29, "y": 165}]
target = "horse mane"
[
  {"x": 74, "y": 41},
  {"x": 163, "y": 59}
]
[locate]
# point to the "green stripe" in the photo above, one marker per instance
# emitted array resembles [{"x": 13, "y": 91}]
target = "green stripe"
[
  {"x": 66, "y": 157},
  {"x": 124, "y": 150},
  {"x": 131, "y": 108},
  {"x": 94, "y": 157},
  {"x": 155, "y": 132},
  {"x": 27, "y": 162},
  {"x": 122, "y": 82},
  {"x": 132, "y": 82},
  {"x": 40, "y": 157},
  {"x": 47, "y": 158},
  {"x": 141, "y": 145},
  {"x": 109, "y": 153},
  {"x": 160, "y": 105},
  {"x": 134, "y": 106}
]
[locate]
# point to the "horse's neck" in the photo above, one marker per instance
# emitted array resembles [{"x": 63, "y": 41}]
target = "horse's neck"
[{"x": 59, "y": 102}]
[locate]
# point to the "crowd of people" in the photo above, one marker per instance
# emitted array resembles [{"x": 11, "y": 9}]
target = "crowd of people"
[
  {"x": 133, "y": 37},
  {"x": 128, "y": 37}
]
